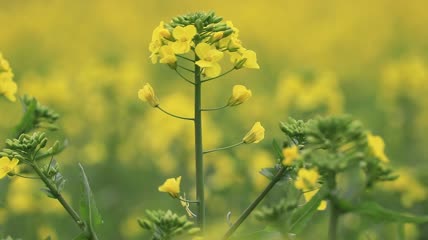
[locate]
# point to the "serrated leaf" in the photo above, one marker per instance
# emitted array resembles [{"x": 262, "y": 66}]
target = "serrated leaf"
[
  {"x": 88, "y": 209},
  {"x": 301, "y": 217},
  {"x": 378, "y": 213}
]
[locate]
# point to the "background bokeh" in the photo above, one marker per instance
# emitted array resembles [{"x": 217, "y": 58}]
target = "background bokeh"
[{"x": 87, "y": 60}]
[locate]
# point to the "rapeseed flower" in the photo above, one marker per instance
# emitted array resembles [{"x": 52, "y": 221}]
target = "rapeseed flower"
[
  {"x": 183, "y": 38},
  {"x": 255, "y": 135},
  {"x": 209, "y": 57},
  {"x": 240, "y": 94},
  {"x": 7, "y": 166},
  {"x": 290, "y": 154},
  {"x": 147, "y": 94},
  {"x": 171, "y": 186}
]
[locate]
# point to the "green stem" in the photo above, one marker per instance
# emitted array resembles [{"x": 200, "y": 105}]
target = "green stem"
[
  {"x": 199, "y": 161},
  {"x": 59, "y": 197},
  {"x": 221, "y": 75},
  {"x": 254, "y": 204},
  {"x": 223, "y": 148},
  {"x": 214, "y": 109},
  {"x": 173, "y": 115},
  {"x": 334, "y": 219}
]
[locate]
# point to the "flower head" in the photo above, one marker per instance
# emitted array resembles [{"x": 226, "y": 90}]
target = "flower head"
[
  {"x": 310, "y": 194},
  {"x": 171, "y": 186},
  {"x": 240, "y": 94},
  {"x": 7, "y": 166},
  {"x": 377, "y": 146},
  {"x": 244, "y": 58},
  {"x": 290, "y": 154},
  {"x": 147, "y": 94},
  {"x": 255, "y": 135},
  {"x": 157, "y": 41},
  {"x": 183, "y": 38},
  {"x": 8, "y": 87},
  {"x": 209, "y": 57},
  {"x": 307, "y": 179},
  {"x": 167, "y": 55}
]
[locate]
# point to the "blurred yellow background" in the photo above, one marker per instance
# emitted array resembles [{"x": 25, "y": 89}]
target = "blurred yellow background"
[{"x": 87, "y": 60}]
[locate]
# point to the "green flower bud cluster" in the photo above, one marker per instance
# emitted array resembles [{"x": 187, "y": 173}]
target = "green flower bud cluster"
[
  {"x": 206, "y": 24},
  {"x": 27, "y": 147},
  {"x": 166, "y": 225},
  {"x": 42, "y": 116},
  {"x": 274, "y": 213},
  {"x": 295, "y": 130},
  {"x": 334, "y": 144}
]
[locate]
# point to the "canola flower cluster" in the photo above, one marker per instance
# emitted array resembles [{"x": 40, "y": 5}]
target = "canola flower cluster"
[
  {"x": 208, "y": 38},
  {"x": 8, "y": 87}
]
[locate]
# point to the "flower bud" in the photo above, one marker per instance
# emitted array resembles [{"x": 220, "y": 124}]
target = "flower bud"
[
  {"x": 240, "y": 94},
  {"x": 217, "y": 36},
  {"x": 147, "y": 94},
  {"x": 255, "y": 135}
]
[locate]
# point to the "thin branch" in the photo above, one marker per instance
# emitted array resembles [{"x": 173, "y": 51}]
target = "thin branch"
[
  {"x": 190, "y": 70},
  {"x": 183, "y": 77},
  {"x": 183, "y": 57},
  {"x": 223, "y": 148},
  {"x": 254, "y": 204},
  {"x": 188, "y": 201},
  {"x": 221, "y": 75},
  {"x": 27, "y": 177},
  {"x": 214, "y": 109},
  {"x": 173, "y": 115}
]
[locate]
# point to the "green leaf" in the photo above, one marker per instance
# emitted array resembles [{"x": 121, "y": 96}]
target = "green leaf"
[
  {"x": 266, "y": 233},
  {"x": 82, "y": 236},
  {"x": 269, "y": 173},
  {"x": 27, "y": 121},
  {"x": 278, "y": 151},
  {"x": 88, "y": 208},
  {"x": 301, "y": 217},
  {"x": 378, "y": 213}
]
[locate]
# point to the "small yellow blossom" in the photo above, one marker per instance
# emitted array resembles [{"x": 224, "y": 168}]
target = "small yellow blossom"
[
  {"x": 310, "y": 194},
  {"x": 240, "y": 94},
  {"x": 290, "y": 154},
  {"x": 377, "y": 146},
  {"x": 167, "y": 55},
  {"x": 209, "y": 57},
  {"x": 7, "y": 165},
  {"x": 255, "y": 135},
  {"x": 171, "y": 186},
  {"x": 307, "y": 179},
  {"x": 156, "y": 43},
  {"x": 249, "y": 56},
  {"x": 8, "y": 87},
  {"x": 147, "y": 94},
  {"x": 217, "y": 36},
  {"x": 183, "y": 38}
]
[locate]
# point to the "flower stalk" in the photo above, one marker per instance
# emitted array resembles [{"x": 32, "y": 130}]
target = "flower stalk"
[
  {"x": 254, "y": 204},
  {"x": 199, "y": 161}
]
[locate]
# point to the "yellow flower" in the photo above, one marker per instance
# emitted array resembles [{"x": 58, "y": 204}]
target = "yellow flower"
[
  {"x": 377, "y": 146},
  {"x": 240, "y": 94},
  {"x": 147, "y": 94},
  {"x": 167, "y": 55},
  {"x": 8, "y": 87},
  {"x": 171, "y": 186},
  {"x": 158, "y": 34},
  {"x": 7, "y": 165},
  {"x": 209, "y": 56},
  {"x": 249, "y": 58},
  {"x": 255, "y": 135},
  {"x": 183, "y": 38},
  {"x": 310, "y": 194},
  {"x": 290, "y": 154},
  {"x": 307, "y": 179}
]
